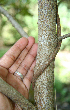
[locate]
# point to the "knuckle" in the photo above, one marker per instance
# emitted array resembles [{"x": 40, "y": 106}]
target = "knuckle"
[
  {"x": 28, "y": 78},
  {"x": 32, "y": 70},
  {"x": 26, "y": 48},
  {"x": 10, "y": 70},
  {"x": 12, "y": 57},
  {"x": 18, "y": 47},
  {"x": 18, "y": 61},
  {"x": 31, "y": 55},
  {"x": 25, "y": 67}
]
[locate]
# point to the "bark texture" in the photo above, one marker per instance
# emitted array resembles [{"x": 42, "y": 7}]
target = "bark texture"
[
  {"x": 15, "y": 96},
  {"x": 14, "y": 23},
  {"x": 48, "y": 46},
  {"x": 47, "y": 43}
]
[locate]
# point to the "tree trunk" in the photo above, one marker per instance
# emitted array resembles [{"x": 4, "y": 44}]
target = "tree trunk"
[
  {"x": 48, "y": 46},
  {"x": 47, "y": 42}
]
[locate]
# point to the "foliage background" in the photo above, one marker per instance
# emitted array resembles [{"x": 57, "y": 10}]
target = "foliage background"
[{"x": 25, "y": 12}]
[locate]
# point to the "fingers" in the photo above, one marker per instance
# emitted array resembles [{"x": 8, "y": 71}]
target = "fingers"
[
  {"x": 28, "y": 61},
  {"x": 5, "y": 103},
  {"x": 28, "y": 78},
  {"x": 17, "y": 84},
  {"x": 20, "y": 57},
  {"x": 23, "y": 54},
  {"x": 25, "y": 65},
  {"x": 9, "y": 58},
  {"x": 3, "y": 72}
]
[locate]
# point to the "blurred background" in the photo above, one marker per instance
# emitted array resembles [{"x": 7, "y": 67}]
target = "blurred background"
[{"x": 25, "y": 12}]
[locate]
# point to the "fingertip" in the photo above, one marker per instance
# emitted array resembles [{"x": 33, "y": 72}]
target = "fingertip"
[
  {"x": 36, "y": 45},
  {"x": 25, "y": 39},
  {"x": 22, "y": 41},
  {"x": 32, "y": 39}
]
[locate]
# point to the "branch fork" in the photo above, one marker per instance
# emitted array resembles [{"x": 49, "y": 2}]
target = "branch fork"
[{"x": 23, "y": 102}]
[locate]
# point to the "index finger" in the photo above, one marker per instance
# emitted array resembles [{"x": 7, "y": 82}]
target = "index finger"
[{"x": 10, "y": 56}]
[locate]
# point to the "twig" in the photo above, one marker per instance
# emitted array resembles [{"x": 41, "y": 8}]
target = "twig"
[
  {"x": 20, "y": 100},
  {"x": 20, "y": 29},
  {"x": 15, "y": 96},
  {"x": 64, "y": 36},
  {"x": 14, "y": 23}
]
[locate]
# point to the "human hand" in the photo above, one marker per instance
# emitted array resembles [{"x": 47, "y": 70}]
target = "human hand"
[{"x": 21, "y": 58}]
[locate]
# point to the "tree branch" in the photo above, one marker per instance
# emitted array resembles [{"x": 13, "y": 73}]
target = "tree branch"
[
  {"x": 64, "y": 36},
  {"x": 15, "y": 96},
  {"x": 20, "y": 29},
  {"x": 8, "y": 90},
  {"x": 5, "y": 88},
  {"x": 45, "y": 65},
  {"x": 14, "y": 23}
]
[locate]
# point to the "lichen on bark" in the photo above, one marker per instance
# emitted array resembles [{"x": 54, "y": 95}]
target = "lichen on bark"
[{"x": 43, "y": 90}]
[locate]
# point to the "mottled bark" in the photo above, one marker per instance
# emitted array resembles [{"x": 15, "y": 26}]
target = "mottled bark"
[
  {"x": 47, "y": 43},
  {"x": 15, "y": 96},
  {"x": 48, "y": 46}
]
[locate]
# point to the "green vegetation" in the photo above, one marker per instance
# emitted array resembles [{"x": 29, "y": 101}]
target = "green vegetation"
[
  {"x": 3, "y": 51},
  {"x": 26, "y": 14},
  {"x": 62, "y": 77},
  {"x": 64, "y": 13}
]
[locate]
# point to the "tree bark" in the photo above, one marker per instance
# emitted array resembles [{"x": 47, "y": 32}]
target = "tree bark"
[
  {"x": 15, "y": 96},
  {"x": 47, "y": 43}
]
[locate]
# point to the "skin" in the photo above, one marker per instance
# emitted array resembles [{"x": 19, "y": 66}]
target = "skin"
[{"x": 20, "y": 57}]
